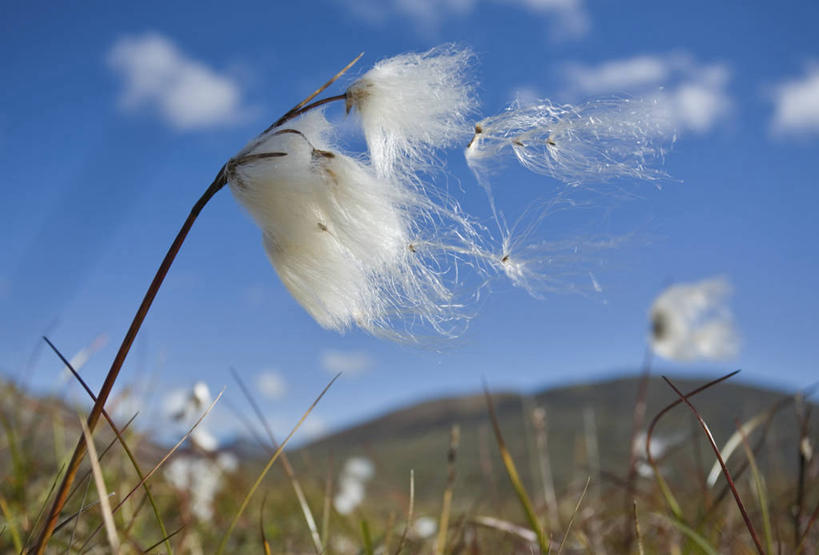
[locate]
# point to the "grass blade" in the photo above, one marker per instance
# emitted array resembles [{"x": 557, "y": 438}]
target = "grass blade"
[
  {"x": 267, "y": 467},
  {"x": 689, "y": 533},
  {"x": 761, "y": 491},
  {"x": 409, "y": 514},
  {"x": 507, "y": 527},
  {"x": 11, "y": 526},
  {"x": 512, "y": 472},
  {"x": 664, "y": 489},
  {"x": 121, "y": 440},
  {"x": 440, "y": 542},
  {"x": 288, "y": 468},
  {"x": 713, "y": 443},
  {"x": 102, "y": 492},
  {"x": 571, "y": 520}
]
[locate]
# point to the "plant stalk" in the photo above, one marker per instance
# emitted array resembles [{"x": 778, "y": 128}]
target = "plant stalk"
[{"x": 79, "y": 451}]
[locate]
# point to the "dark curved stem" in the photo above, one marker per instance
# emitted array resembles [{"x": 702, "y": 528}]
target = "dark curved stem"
[
  {"x": 218, "y": 182},
  {"x": 79, "y": 451},
  {"x": 713, "y": 443}
]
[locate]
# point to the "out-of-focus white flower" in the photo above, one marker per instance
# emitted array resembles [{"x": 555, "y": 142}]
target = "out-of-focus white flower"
[
  {"x": 201, "y": 478},
  {"x": 352, "y": 247},
  {"x": 359, "y": 468},
  {"x": 424, "y": 527},
  {"x": 356, "y": 473},
  {"x": 350, "y": 495},
  {"x": 691, "y": 321},
  {"x": 413, "y": 104},
  {"x": 659, "y": 445},
  {"x": 591, "y": 143},
  {"x": 185, "y": 408},
  {"x": 227, "y": 461}
]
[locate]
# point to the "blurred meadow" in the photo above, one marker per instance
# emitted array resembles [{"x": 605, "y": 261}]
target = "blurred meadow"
[{"x": 524, "y": 276}]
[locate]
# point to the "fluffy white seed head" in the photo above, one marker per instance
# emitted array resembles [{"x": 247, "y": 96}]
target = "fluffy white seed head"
[
  {"x": 356, "y": 473},
  {"x": 412, "y": 104},
  {"x": 691, "y": 321},
  {"x": 367, "y": 243},
  {"x": 591, "y": 143},
  {"x": 201, "y": 478},
  {"x": 353, "y": 247},
  {"x": 185, "y": 408}
]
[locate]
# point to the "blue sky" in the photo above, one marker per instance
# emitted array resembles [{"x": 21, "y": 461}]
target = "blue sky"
[{"x": 114, "y": 118}]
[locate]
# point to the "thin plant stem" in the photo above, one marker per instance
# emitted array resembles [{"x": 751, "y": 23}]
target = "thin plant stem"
[
  {"x": 440, "y": 542},
  {"x": 288, "y": 468},
  {"x": 410, "y": 511},
  {"x": 713, "y": 443},
  {"x": 268, "y": 466},
  {"x": 96, "y": 411},
  {"x": 574, "y": 514},
  {"x": 512, "y": 472},
  {"x": 637, "y": 419},
  {"x": 669, "y": 497},
  {"x": 218, "y": 183},
  {"x": 158, "y": 465},
  {"x": 119, "y": 437},
  {"x": 99, "y": 481}
]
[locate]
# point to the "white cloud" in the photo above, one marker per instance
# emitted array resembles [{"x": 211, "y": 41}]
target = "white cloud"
[
  {"x": 568, "y": 17},
  {"x": 796, "y": 104},
  {"x": 692, "y": 96},
  {"x": 271, "y": 385},
  {"x": 186, "y": 93},
  {"x": 352, "y": 363}
]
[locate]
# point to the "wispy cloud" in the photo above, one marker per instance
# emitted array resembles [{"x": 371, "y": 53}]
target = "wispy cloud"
[
  {"x": 352, "y": 363},
  {"x": 271, "y": 384},
  {"x": 185, "y": 92},
  {"x": 692, "y": 95},
  {"x": 568, "y": 18},
  {"x": 796, "y": 104}
]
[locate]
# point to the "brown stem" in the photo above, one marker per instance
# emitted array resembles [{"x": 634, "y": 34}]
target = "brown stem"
[
  {"x": 79, "y": 451},
  {"x": 725, "y": 472},
  {"x": 637, "y": 418},
  {"x": 219, "y": 181}
]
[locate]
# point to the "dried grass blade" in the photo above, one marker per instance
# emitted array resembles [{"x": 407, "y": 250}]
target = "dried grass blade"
[
  {"x": 158, "y": 465},
  {"x": 265, "y": 543},
  {"x": 102, "y": 492},
  {"x": 288, "y": 468},
  {"x": 664, "y": 489},
  {"x": 121, "y": 440},
  {"x": 11, "y": 526},
  {"x": 440, "y": 542},
  {"x": 713, "y": 443},
  {"x": 689, "y": 532},
  {"x": 297, "y": 108},
  {"x": 571, "y": 520},
  {"x": 267, "y": 467},
  {"x": 410, "y": 511},
  {"x": 166, "y": 539},
  {"x": 512, "y": 472},
  {"x": 761, "y": 490},
  {"x": 506, "y": 527}
]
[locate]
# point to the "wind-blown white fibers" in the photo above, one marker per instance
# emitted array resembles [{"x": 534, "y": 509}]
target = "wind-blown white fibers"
[
  {"x": 353, "y": 247},
  {"x": 691, "y": 321},
  {"x": 412, "y": 104},
  {"x": 591, "y": 143}
]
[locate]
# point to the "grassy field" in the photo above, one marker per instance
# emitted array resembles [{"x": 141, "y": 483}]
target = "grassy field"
[{"x": 566, "y": 451}]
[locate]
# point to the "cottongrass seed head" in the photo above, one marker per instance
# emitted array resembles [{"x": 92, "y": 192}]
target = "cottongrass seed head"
[
  {"x": 412, "y": 104},
  {"x": 353, "y": 247},
  {"x": 690, "y": 321},
  {"x": 594, "y": 142},
  {"x": 370, "y": 241}
]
